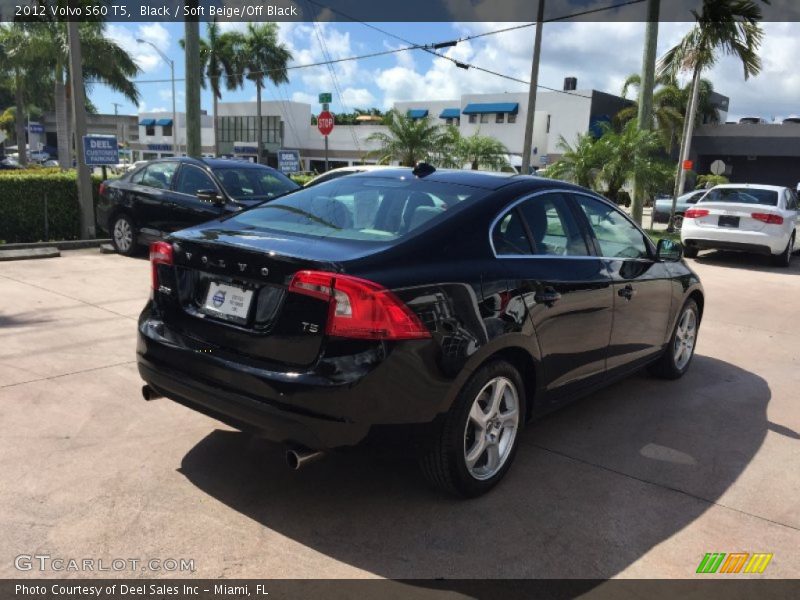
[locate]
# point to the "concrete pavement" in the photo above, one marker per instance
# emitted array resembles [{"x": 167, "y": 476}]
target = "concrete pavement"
[{"x": 640, "y": 480}]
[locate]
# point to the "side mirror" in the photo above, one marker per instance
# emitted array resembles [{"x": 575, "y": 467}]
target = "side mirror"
[
  {"x": 210, "y": 196},
  {"x": 669, "y": 250}
]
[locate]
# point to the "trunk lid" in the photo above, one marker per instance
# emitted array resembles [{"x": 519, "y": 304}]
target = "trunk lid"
[
  {"x": 232, "y": 292},
  {"x": 730, "y": 215}
]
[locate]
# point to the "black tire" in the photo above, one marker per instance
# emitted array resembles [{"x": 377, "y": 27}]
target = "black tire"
[
  {"x": 445, "y": 466},
  {"x": 690, "y": 252},
  {"x": 784, "y": 259},
  {"x": 120, "y": 223},
  {"x": 667, "y": 366}
]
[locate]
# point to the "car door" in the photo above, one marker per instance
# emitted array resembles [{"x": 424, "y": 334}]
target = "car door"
[
  {"x": 641, "y": 285},
  {"x": 565, "y": 290},
  {"x": 154, "y": 200},
  {"x": 190, "y": 210}
]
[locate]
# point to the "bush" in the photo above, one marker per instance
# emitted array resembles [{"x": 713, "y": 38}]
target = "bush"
[
  {"x": 301, "y": 179},
  {"x": 22, "y": 205},
  {"x": 623, "y": 199}
]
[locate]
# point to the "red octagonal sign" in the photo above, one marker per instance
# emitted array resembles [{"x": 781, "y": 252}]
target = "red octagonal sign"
[{"x": 325, "y": 122}]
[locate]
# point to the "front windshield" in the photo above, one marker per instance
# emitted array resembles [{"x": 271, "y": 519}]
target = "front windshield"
[
  {"x": 253, "y": 183},
  {"x": 358, "y": 208},
  {"x": 743, "y": 196}
]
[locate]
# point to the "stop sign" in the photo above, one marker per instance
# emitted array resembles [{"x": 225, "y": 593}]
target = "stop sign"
[{"x": 325, "y": 122}]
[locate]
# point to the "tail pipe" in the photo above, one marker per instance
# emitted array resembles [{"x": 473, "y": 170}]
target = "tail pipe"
[
  {"x": 298, "y": 457},
  {"x": 149, "y": 393}
]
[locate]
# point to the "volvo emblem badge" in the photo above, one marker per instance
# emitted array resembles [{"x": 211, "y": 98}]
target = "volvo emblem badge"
[
  {"x": 188, "y": 256},
  {"x": 204, "y": 260},
  {"x": 221, "y": 264},
  {"x": 242, "y": 266},
  {"x": 264, "y": 271}
]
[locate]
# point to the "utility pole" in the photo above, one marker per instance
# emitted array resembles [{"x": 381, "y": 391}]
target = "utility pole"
[
  {"x": 192, "y": 48},
  {"x": 79, "y": 115},
  {"x": 537, "y": 50},
  {"x": 176, "y": 147},
  {"x": 116, "y": 107},
  {"x": 645, "y": 115}
]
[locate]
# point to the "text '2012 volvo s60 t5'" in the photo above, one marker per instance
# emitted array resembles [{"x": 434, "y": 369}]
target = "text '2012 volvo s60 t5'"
[{"x": 450, "y": 307}]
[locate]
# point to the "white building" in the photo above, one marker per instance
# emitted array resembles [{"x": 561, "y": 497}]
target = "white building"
[{"x": 287, "y": 125}]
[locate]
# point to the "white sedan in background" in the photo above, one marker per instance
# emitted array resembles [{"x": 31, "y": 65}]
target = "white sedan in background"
[{"x": 761, "y": 219}]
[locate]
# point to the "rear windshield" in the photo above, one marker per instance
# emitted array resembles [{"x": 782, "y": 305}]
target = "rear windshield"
[
  {"x": 743, "y": 196},
  {"x": 253, "y": 183},
  {"x": 358, "y": 208}
]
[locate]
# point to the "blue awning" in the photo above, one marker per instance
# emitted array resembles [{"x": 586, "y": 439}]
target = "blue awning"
[
  {"x": 417, "y": 113},
  {"x": 450, "y": 113},
  {"x": 164, "y": 122},
  {"x": 491, "y": 107},
  {"x": 147, "y": 122}
]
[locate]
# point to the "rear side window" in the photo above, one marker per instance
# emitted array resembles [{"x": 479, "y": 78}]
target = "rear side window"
[
  {"x": 743, "y": 196},
  {"x": 359, "y": 208},
  {"x": 191, "y": 180},
  {"x": 159, "y": 175},
  {"x": 543, "y": 225}
]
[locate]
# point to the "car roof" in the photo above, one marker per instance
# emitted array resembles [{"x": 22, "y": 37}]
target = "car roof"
[
  {"x": 211, "y": 162},
  {"x": 488, "y": 180},
  {"x": 754, "y": 186},
  {"x": 356, "y": 169}
]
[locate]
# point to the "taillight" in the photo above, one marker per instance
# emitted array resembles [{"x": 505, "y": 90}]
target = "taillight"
[
  {"x": 768, "y": 218},
  {"x": 695, "y": 213},
  {"x": 359, "y": 308},
  {"x": 101, "y": 189},
  {"x": 160, "y": 254}
]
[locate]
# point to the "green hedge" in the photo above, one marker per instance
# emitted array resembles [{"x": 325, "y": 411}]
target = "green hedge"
[
  {"x": 22, "y": 205},
  {"x": 301, "y": 179}
]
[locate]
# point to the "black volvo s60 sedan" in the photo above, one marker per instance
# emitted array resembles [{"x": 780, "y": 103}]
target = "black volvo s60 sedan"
[{"x": 449, "y": 306}]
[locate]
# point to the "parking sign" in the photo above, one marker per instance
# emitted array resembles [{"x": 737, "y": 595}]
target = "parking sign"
[
  {"x": 288, "y": 161},
  {"x": 100, "y": 150}
]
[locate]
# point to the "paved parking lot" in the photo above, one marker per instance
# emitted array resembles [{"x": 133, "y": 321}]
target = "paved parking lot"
[{"x": 640, "y": 480}]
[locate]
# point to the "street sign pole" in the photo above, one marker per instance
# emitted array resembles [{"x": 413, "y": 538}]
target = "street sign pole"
[
  {"x": 326, "y": 153},
  {"x": 79, "y": 113}
]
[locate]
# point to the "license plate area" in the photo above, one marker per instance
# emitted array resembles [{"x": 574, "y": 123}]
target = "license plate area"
[
  {"x": 728, "y": 221},
  {"x": 227, "y": 302}
]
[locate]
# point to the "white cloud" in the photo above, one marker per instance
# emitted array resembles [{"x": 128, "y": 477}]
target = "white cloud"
[
  {"x": 304, "y": 97},
  {"x": 145, "y": 55}
]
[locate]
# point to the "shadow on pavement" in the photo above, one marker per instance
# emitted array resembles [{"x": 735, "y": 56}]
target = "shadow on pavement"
[
  {"x": 749, "y": 262},
  {"x": 594, "y": 486}
]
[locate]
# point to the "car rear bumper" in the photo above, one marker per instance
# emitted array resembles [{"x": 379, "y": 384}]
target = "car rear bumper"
[
  {"x": 724, "y": 239},
  {"x": 312, "y": 407}
]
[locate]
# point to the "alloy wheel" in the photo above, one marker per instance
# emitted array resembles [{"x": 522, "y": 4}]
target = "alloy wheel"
[
  {"x": 123, "y": 235},
  {"x": 491, "y": 428},
  {"x": 685, "y": 337}
]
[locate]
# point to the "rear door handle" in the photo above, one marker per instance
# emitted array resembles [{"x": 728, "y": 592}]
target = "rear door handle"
[
  {"x": 627, "y": 292},
  {"x": 548, "y": 297}
]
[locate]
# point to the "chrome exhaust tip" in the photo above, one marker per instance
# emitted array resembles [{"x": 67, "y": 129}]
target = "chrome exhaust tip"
[
  {"x": 297, "y": 458},
  {"x": 149, "y": 393}
]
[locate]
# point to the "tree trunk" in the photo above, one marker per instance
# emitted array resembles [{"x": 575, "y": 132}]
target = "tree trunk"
[
  {"x": 645, "y": 112},
  {"x": 62, "y": 120},
  {"x": 686, "y": 143},
  {"x": 259, "y": 141},
  {"x": 216, "y": 135},
  {"x": 20, "y": 119}
]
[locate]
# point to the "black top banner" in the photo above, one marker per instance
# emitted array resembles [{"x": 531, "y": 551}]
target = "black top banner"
[{"x": 382, "y": 10}]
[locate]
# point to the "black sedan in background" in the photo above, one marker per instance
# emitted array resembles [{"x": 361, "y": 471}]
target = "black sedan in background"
[
  {"x": 444, "y": 309},
  {"x": 169, "y": 194}
]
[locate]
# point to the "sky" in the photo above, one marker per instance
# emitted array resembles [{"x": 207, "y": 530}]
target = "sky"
[{"x": 600, "y": 55}]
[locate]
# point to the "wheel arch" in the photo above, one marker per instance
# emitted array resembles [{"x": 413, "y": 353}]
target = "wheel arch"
[{"x": 514, "y": 349}]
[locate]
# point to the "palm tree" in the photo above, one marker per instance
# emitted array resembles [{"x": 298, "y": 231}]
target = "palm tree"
[
  {"x": 484, "y": 151},
  {"x": 627, "y": 155},
  {"x": 104, "y": 61},
  {"x": 15, "y": 60},
  {"x": 264, "y": 57},
  {"x": 730, "y": 26},
  {"x": 408, "y": 140},
  {"x": 579, "y": 164},
  {"x": 219, "y": 63}
]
